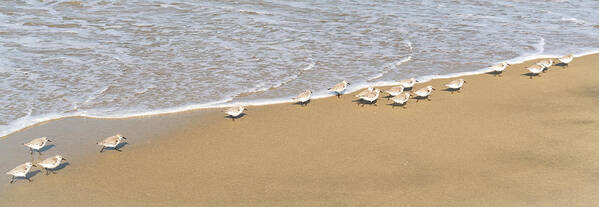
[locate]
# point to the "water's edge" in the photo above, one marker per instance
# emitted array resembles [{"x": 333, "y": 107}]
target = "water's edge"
[{"x": 28, "y": 122}]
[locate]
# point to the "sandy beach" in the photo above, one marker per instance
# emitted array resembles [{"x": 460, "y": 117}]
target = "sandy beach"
[{"x": 502, "y": 141}]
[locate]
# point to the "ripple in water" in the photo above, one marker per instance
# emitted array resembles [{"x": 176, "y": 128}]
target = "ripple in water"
[{"x": 119, "y": 58}]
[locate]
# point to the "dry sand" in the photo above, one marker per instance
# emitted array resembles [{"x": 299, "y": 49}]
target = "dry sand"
[{"x": 507, "y": 141}]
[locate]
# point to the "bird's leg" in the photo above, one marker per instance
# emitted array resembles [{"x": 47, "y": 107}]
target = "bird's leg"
[
  {"x": 52, "y": 171},
  {"x": 102, "y": 150},
  {"x": 39, "y": 152},
  {"x": 117, "y": 149},
  {"x": 28, "y": 179},
  {"x": 12, "y": 179},
  {"x": 46, "y": 171},
  {"x": 428, "y": 98},
  {"x": 30, "y": 151}
]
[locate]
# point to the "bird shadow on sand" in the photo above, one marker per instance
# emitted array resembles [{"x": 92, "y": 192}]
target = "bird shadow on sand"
[
  {"x": 235, "y": 117},
  {"x": 495, "y": 73},
  {"x": 530, "y": 75},
  {"x": 302, "y": 103},
  {"x": 362, "y": 103},
  {"x": 393, "y": 105},
  {"x": 563, "y": 65},
  {"x": 62, "y": 165},
  {"x": 47, "y": 147},
  {"x": 388, "y": 96},
  {"x": 453, "y": 90},
  {"x": 419, "y": 98}
]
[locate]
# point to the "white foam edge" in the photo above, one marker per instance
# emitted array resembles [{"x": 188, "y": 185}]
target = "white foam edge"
[{"x": 29, "y": 121}]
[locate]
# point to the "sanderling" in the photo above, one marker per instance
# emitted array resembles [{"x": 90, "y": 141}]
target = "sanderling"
[
  {"x": 566, "y": 59},
  {"x": 371, "y": 96},
  {"x": 455, "y": 85},
  {"x": 394, "y": 91},
  {"x": 535, "y": 70},
  {"x": 37, "y": 144},
  {"x": 20, "y": 171},
  {"x": 364, "y": 92},
  {"x": 401, "y": 99},
  {"x": 112, "y": 142},
  {"x": 545, "y": 63},
  {"x": 407, "y": 83},
  {"x": 304, "y": 97},
  {"x": 339, "y": 87},
  {"x": 51, "y": 163},
  {"x": 499, "y": 68},
  {"x": 424, "y": 93},
  {"x": 235, "y": 112}
]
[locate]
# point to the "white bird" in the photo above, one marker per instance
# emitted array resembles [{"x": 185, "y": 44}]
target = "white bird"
[
  {"x": 535, "y": 70},
  {"x": 112, "y": 142},
  {"x": 407, "y": 83},
  {"x": 395, "y": 90},
  {"x": 499, "y": 68},
  {"x": 339, "y": 87},
  {"x": 545, "y": 63},
  {"x": 51, "y": 163},
  {"x": 424, "y": 92},
  {"x": 304, "y": 97},
  {"x": 455, "y": 85},
  {"x": 20, "y": 171},
  {"x": 401, "y": 99},
  {"x": 235, "y": 112},
  {"x": 371, "y": 96},
  {"x": 566, "y": 59},
  {"x": 364, "y": 92},
  {"x": 37, "y": 144}
]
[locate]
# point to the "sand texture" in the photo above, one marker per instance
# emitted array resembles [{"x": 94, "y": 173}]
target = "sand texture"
[{"x": 502, "y": 141}]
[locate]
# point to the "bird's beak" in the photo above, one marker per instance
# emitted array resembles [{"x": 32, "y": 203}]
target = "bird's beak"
[
  {"x": 246, "y": 109},
  {"x": 34, "y": 165},
  {"x": 64, "y": 159},
  {"x": 434, "y": 89},
  {"x": 348, "y": 83},
  {"x": 49, "y": 140},
  {"x": 124, "y": 138}
]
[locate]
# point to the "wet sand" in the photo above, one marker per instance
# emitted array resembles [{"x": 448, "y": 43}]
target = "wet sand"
[{"x": 508, "y": 141}]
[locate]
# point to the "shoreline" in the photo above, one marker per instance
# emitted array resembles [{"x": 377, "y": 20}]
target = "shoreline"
[
  {"x": 507, "y": 141},
  {"x": 319, "y": 94}
]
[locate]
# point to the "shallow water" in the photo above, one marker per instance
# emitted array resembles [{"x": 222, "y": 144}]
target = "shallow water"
[{"x": 122, "y": 58}]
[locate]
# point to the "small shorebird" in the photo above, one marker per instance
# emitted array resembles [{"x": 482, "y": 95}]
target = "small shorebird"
[
  {"x": 566, "y": 59},
  {"x": 304, "y": 97},
  {"x": 37, "y": 144},
  {"x": 455, "y": 85},
  {"x": 371, "y": 96},
  {"x": 20, "y": 171},
  {"x": 112, "y": 142},
  {"x": 235, "y": 112},
  {"x": 395, "y": 90},
  {"x": 401, "y": 99},
  {"x": 51, "y": 163},
  {"x": 424, "y": 93},
  {"x": 339, "y": 88},
  {"x": 499, "y": 68},
  {"x": 364, "y": 92},
  {"x": 535, "y": 70},
  {"x": 407, "y": 83},
  {"x": 545, "y": 63}
]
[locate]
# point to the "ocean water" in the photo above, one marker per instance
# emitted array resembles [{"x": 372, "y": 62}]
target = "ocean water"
[{"x": 117, "y": 58}]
